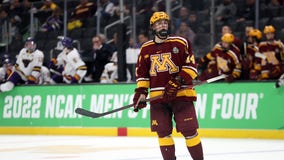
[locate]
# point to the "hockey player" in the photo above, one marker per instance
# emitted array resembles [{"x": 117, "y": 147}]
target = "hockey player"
[
  {"x": 166, "y": 64},
  {"x": 272, "y": 63},
  {"x": 74, "y": 68},
  {"x": 6, "y": 69},
  {"x": 110, "y": 74},
  {"x": 27, "y": 68},
  {"x": 250, "y": 63},
  {"x": 224, "y": 58},
  {"x": 44, "y": 77}
]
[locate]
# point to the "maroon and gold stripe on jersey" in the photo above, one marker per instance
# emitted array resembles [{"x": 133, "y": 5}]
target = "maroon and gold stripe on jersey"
[{"x": 159, "y": 62}]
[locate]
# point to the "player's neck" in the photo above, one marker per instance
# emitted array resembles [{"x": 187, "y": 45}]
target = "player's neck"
[{"x": 159, "y": 40}]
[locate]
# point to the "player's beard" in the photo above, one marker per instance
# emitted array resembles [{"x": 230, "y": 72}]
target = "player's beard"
[{"x": 163, "y": 34}]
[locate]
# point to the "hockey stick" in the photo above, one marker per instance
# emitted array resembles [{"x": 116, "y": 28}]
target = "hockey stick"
[
  {"x": 55, "y": 72},
  {"x": 91, "y": 114},
  {"x": 280, "y": 81}
]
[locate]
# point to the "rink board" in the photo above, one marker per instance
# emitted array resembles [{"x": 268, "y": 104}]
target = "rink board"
[{"x": 224, "y": 110}]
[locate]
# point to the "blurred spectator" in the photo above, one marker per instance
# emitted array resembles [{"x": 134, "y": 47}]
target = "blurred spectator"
[
  {"x": 185, "y": 31},
  {"x": 82, "y": 11},
  {"x": 224, "y": 58},
  {"x": 102, "y": 54},
  {"x": 27, "y": 67},
  {"x": 143, "y": 13},
  {"x": 158, "y": 5},
  {"x": 46, "y": 10},
  {"x": 16, "y": 7},
  {"x": 13, "y": 21},
  {"x": 226, "y": 12},
  {"x": 175, "y": 5},
  {"x": 195, "y": 5},
  {"x": 3, "y": 16},
  {"x": 182, "y": 17},
  {"x": 54, "y": 22},
  {"x": 132, "y": 52},
  {"x": 6, "y": 68},
  {"x": 274, "y": 8},
  {"x": 142, "y": 38},
  {"x": 22, "y": 9},
  {"x": 27, "y": 5},
  {"x": 106, "y": 12},
  {"x": 116, "y": 12},
  {"x": 247, "y": 12},
  {"x": 48, "y": 6},
  {"x": 194, "y": 23}
]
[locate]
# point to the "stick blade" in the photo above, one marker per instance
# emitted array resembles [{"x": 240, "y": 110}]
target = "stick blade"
[{"x": 87, "y": 113}]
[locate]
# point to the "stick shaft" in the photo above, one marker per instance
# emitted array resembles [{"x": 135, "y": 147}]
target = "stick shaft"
[{"x": 91, "y": 114}]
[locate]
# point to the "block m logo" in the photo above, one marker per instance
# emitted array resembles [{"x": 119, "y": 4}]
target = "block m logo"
[{"x": 162, "y": 63}]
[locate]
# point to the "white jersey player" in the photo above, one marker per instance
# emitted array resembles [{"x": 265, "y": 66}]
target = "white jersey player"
[
  {"x": 6, "y": 69},
  {"x": 27, "y": 68},
  {"x": 44, "y": 77},
  {"x": 75, "y": 68},
  {"x": 110, "y": 73}
]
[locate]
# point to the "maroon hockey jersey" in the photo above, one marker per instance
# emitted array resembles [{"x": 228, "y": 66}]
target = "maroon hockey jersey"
[
  {"x": 159, "y": 62},
  {"x": 272, "y": 65},
  {"x": 220, "y": 61}
]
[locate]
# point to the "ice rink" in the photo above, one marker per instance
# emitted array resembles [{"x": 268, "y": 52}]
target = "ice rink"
[{"x": 15, "y": 147}]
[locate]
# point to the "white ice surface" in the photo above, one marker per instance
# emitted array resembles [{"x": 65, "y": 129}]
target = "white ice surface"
[{"x": 18, "y": 147}]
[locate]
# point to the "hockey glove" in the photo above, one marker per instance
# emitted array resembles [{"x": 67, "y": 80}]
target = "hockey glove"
[
  {"x": 52, "y": 63},
  {"x": 139, "y": 96},
  {"x": 73, "y": 79},
  {"x": 230, "y": 78},
  {"x": 171, "y": 89},
  {"x": 275, "y": 73},
  {"x": 31, "y": 80},
  {"x": 253, "y": 75}
]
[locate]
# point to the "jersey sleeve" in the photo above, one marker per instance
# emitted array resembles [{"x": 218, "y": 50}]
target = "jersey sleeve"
[
  {"x": 37, "y": 62},
  {"x": 142, "y": 71},
  {"x": 188, "y": 69}
]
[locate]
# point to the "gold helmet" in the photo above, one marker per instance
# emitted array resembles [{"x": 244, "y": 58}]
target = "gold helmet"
[
  {"x": 255, "y": 33},
  {"x": 228, "y": 38},
  {"x": 158, "y": 16},
  {"x": 268, "y": 29}
]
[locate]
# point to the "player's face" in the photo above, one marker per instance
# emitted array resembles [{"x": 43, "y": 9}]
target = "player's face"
[
  {"x": 96, "y": 43},
  {"x": 30, "y": 46},
  {"x": 226, "y": 45},
  {"x": 226, "y": 29},
  {"x": 8, "y": 66},
  {"x": 161, "y": 25},
  {"x": 250, "y": 39},
  {"x": 269, "y": 36}
]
